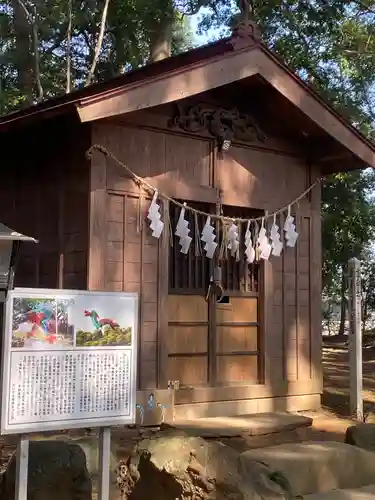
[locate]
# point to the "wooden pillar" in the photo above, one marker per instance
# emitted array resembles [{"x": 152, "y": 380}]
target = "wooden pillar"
[
  {"x": 97, "y": 223},
  {"x": 316, "y": 283},
  {"x": 163, "y": 286}
]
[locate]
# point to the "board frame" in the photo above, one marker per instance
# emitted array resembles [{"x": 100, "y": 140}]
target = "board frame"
[{"x": 60, "y": 425}]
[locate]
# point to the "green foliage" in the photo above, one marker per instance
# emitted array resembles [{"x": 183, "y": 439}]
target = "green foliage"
[
  {"x": 348, "y": 215},
  {"x": 348, "y": 220},
  {"x": 368, "y": 289},
  {"x": 112, "y": 336},
  {"x": 126, "y": 43},
  {"x": 329, "y": 43}
]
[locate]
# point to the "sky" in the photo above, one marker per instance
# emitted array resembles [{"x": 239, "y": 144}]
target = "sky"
[{"x": 199, "y": 39}]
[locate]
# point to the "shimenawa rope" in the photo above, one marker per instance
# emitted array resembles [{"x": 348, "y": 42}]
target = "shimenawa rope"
[{"x": 151, "y": 189}]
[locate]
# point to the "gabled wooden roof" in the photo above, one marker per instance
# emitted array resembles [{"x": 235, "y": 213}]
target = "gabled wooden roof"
[{"x": 224, "y": 62}]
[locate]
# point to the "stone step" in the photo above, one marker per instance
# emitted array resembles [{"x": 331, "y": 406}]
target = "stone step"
[{"x": 252, "y": 425}]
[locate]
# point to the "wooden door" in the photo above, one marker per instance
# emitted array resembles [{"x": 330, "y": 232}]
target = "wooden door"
[
  {"x": 188, "y": 310},
  {"x": 188, "y": 340},
  {"x": 237, "y": 348},
  {"x": 211, "y": 343},
  {"x": 237, "y": 344}
]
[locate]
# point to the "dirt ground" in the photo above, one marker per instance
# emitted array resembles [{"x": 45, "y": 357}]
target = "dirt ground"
[
  {"x": 330, "y": 423},
  {"x": 336, "y": 379}
]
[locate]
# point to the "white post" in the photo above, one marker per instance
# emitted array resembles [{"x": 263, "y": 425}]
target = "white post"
[
  {"x": 355, "y": 340},
  {"x": 104, "y": 462},
  {"x": 22, "y": 461}
]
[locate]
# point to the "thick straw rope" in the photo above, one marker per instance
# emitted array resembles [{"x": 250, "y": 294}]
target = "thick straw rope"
[{"x": 151, "y": 189}]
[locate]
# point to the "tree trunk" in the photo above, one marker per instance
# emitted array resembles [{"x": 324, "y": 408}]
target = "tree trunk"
[
  {"x": 69, "y": 49},
  {"x": 23, "y": 59},
  {"x": 160, "y": 29},
  {"x": 343, "y": 302},
  {"x": 161, "y": 39},
  {"x": 35, "y": 38},
  {"x": 99, "y": 44}
]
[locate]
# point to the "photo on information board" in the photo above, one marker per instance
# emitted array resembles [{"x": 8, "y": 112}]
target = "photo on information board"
[
  {"x": 41, "y": 323},
  {"x": 81, "y": 321},
  {"x": 102, "y": 321}
]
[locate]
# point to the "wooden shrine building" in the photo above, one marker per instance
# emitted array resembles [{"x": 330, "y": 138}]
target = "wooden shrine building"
[{"x": 258, "y": 349}]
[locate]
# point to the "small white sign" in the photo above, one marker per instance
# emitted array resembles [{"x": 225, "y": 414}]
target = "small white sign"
[{"x": 69, "y": 360}]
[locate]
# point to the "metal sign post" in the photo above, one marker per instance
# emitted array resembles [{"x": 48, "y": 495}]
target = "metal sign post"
[
  {"x": 22, "y": 468},
  {"x": 22, "y": 462},
  {"x": 104, "y": 462},
  {"x": 355, "y": 340}
]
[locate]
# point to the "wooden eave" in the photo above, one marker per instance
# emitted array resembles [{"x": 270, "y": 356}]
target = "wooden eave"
[
  {"x": 224, "y": 69},
  {"x": 64, "y": 104},
  {"x": 199, "y": 70}
]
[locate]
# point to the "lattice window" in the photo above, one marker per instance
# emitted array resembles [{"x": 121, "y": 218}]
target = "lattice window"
[
  {"x": 188, "y": 273},
  {"x": 238, "y": 275},
  {"x": 191, "y": 273}
]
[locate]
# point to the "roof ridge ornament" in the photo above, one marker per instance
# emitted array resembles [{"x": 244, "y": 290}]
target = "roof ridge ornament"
[{"x": 246, "y": 33}]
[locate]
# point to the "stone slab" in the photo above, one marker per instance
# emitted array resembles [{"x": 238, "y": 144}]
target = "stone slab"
[
  {"x": 365, "y": 493},
  {"x": 251, "y": 425},
  {"x": 362, "y": 435},
  {"x": 317, "y": 467}
]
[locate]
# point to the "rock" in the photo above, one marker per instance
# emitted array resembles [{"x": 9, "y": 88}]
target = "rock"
[
  {"x": 174, "y": 466},
  {"x": 362, "y": 435},
  {"x": 313, "y": 467},
  {"x": 56, "y": 470},
  {"x": 369, "y": 416},
  {"x": 90, "y": 446}
]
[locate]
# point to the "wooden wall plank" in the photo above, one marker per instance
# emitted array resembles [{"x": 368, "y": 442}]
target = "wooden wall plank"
[
  {"x": 316, "y": 283},
  {"x": 189, "y": 371},
  {"x": 251, "y": 391},
  {"x": 132, "y": 266},
  {"x": 276, "y": 344},
  {"x": 187, "y": 339},
  {"x": 46, "y": 196},
  {"x": 180, "y": 307},
  {"x": 236, "y": 338},
  {"x": 192, "y": 157},
  {"x": 290, "y": 313},
  {"x": 299, "y": 352},
  {"x": 239, "y": 310},
  {"x": 239, "y": 368},
  {"x": 159, "y": 119},
  {"x": 304, "y": 313},
  {"x": 247, "y": 177},
  {"x": 177, "y": 165},
  {"x": 163, "y": 283},
  {"x": 137, "y": 259}
]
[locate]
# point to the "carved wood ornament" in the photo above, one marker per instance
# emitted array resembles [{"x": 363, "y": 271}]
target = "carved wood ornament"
[{"x": 223, "y": 124}]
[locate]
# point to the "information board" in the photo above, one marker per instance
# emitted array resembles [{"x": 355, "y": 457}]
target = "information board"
[{"x": 69, "y": 360}]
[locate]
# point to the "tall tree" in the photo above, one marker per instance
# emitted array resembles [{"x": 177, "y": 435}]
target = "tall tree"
[
  {"x": 79, "y": 41},
  {"x": 23, "y": 60},
  {"x": 348, "y": 227},
  {"x": 329, "y": 43}
]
